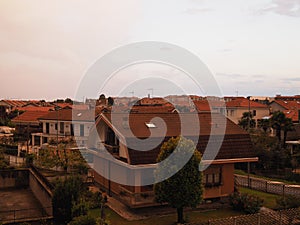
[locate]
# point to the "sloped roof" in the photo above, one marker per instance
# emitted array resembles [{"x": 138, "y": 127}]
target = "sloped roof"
[
  {"x": 66, "y": 115},
  {"x": 29, "y": 117},
  {"x": 291, "y": 108},
  {"x": 288, "y": 104},
  {"x": 236, "y": 144},
  {"x": 244, "y": 103},
  {"x": 36, "y": 108}
]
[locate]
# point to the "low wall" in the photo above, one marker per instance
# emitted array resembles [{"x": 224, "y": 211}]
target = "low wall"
[
  {"x": 14, "y": 178},
  {"x": 41, "y": 190},
  {"x": 24, "y": 178}
]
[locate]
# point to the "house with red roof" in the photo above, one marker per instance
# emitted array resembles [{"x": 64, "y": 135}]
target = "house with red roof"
[
  {"x": 28, "y": 122},
  {"x": 290, "y": 108},
  {"x": 117, "y": 139},
  {"x": 64, "y": 124},
  {"x": 236, "y": 106}
]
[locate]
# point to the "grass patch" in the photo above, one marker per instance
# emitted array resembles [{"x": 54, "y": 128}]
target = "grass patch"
[
  {"x": 241, "y": 172},
  {"x": 195, "y": 216},
  {"x": 269, "y": 199}
]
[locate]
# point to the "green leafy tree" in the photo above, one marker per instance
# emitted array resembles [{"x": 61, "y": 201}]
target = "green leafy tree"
[
  {"x": 247, "y": 120},
  {"x": 280, "y": 123},
  {"x": 264, "y": 124},
  {"x": 184, "y": 189},
  {"x": 65, "y": 196}
]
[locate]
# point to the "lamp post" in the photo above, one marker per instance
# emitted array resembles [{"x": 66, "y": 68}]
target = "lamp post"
[{"x": 249, "y": 117}]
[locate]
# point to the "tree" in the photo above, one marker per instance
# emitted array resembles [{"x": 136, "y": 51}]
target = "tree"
[
  {"x": 110, "y": 101},
  {"x": 68, "y": 100},
  {"x": 244, "y": 121},
  {"x": 264, "y": 124},
  {"x": 65, "y": 196},
  {"x": 287, "y": 126},
  {"x": 184, "y": 189},
  {"x": 280, "y": 123}
]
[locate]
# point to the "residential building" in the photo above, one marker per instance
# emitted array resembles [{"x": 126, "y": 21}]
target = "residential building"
[
  {"x": 113, "y": 160},
  {"x": 64, "y": 124},
  {"x": 236, "y": 106},
  {"x": 290, "y": 108}
]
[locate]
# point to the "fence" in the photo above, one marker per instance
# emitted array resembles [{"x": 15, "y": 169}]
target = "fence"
[
  {"x": 21, "y": 215},
  {"x": 273, "y": 187},
  {"x": 282, "y": 217}
]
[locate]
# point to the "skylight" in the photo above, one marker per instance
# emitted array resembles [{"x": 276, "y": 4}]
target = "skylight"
[{"x": 150, "y": 125}]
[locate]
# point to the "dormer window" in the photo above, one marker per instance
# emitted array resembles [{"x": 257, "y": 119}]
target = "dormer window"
[{"x": 150, "y": 125}]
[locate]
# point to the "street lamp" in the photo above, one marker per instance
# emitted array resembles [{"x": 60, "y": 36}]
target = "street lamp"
[
  {"x": 248, "y": 163},
  {"x": 249, "y": 112}
]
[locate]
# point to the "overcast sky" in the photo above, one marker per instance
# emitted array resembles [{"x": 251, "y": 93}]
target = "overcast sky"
[{"x": 252, "y": 47}]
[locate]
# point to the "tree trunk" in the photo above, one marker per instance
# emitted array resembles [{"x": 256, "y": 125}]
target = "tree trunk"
[
  {"x": 180, "y": 215},
  {"x": 278, "y": 134},
  {"x": 284, "y": 139}
]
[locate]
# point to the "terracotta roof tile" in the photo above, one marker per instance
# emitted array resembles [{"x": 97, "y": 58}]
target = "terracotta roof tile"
[
  {"x": 244, "y": 103},
  {"x": 29, "y": 116},
  {"x": 66, "y": 115},
  {"x": 237, "y": 143}
]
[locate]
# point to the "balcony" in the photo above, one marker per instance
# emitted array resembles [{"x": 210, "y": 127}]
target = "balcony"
[
  {"x": 112, "y": 149},
  {"x": 136, "y": 200}
]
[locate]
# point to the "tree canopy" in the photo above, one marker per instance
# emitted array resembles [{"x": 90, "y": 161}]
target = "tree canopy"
[
  {"x": 184, "y": 189},
  {"x": 281, "y": 123},
  {"x": 247, "y": 121}
]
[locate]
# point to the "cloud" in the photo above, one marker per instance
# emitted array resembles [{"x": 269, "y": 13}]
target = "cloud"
[
  {"x": 195, "y": 11},
  {"x": 43, "y": 43},
  {"x": 289, "y": 80},
  {"x": 229, "y": 75},
  {"x": 283, "y": 7}
]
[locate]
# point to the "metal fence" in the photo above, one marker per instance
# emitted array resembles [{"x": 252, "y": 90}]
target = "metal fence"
[
  {"x": 273, "y": 187},
  {"x": 282, "y": 217},
  {"x": 21, "y": 215}
]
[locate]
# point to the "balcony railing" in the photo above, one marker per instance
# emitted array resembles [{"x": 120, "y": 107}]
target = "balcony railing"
[
  {"x": 112, "y": 149},
  {"x": 137, "y": 199}
]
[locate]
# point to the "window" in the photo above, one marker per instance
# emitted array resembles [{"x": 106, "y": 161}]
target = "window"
[
  {"x": 81, "y": 130},
  {"x": 150, "y": 125},
  {"x": 232, "y": 112},
  {"x": 212, "y": 176},
  {"x": 47, "y": 128},
  {"x": 62, "y": 127},
  {"x": 254, "y": 113},
  {"x": 55, "y": 126}
]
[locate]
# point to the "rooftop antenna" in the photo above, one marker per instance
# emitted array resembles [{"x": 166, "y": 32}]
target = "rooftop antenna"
[
  {"x": 237, "y": 93},
  {"x": 151, "y": 89}
]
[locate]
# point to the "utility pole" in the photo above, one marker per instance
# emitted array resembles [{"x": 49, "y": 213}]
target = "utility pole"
[{"x": 249, "y": 117}]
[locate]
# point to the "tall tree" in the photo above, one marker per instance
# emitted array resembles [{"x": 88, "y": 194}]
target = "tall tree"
[
  {"x": 264, "y": 124},
  {"x": 65, "y": 196},
  {"x": 184, "y": 189},
  {"x": 280, "y": 123},
  {"x": 287, "y": 126},
  {"x": 247, "y": 120}
]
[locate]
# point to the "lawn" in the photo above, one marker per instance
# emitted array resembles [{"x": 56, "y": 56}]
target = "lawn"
[
  {"x": 269, "y": 199},
  {"x": 194, "y": 216}
]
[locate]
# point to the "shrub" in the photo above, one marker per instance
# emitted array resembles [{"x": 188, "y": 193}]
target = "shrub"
[
  {"x": 245, "y": 202},
  {"x": 83, "y": 220},
  {"x": 289, "y": 201}
]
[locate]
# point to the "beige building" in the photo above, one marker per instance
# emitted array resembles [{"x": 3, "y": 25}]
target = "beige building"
[
  {"x": 236, "y": 106},
  {"x": 64, "y": 124}
]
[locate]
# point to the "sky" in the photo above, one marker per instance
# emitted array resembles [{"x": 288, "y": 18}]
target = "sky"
[{"x": 47, "y": 47}]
